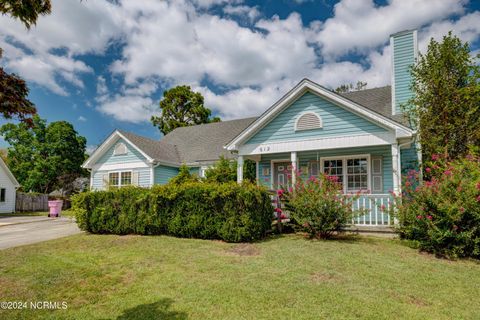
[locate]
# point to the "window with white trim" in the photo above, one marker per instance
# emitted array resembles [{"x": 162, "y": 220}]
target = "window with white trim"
[
  {"x": 308, "y": 121},
  {"x": 119, "y": 179},
  {"x": 120, "y": 148},
  {"x": 313, "y": 168},
  {"x": 352, "y": 172}
]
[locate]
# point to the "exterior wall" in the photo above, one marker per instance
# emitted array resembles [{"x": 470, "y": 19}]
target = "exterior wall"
[
  {"x": 409, "y": 159},
  {"x": 336, "y": 122},
  {"x": 305, "y": 157},
  {"x": 163, "y": 174},
  {"x": 132, "y": 155},
  {"x": 143, "y": 177},
  {"x": 10, "y": 192},
  {"x": 404, "y": 46},
  {"x": 195, "y": 170}
]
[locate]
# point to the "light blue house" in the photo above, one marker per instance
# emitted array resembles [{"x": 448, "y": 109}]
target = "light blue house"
[{"x": 360, "y": 137}]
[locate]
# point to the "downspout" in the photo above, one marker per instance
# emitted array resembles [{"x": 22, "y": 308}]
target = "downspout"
[{"x": 152, "y": 173}]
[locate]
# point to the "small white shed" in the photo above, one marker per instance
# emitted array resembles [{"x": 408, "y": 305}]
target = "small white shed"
[{"x": 8, "y": 189}]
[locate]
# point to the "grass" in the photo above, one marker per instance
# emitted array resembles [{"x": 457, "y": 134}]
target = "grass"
[{"x": 288, "y": 277}]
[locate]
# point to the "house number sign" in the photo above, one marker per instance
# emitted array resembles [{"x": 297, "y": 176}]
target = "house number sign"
[{"x": 264, "y": 149}]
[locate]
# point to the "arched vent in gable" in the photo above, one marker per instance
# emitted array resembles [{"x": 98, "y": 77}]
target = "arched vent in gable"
[
  {"x": 308, "y": 121},
  {"x": 120, "y": 148}
]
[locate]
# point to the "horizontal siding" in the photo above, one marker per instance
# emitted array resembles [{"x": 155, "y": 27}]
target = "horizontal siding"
[
  {"x": 304, "y": 157},
  {"x": 336, "y": 122},
  {"x": 163, "y": 174},
  {"x": 195, "y": 170},
  {"x": 403, "y": 59},
  {"x": 9, "y": 205},
  {"x": 143, "y": 177},
  {"x": 132, "y": 155}
]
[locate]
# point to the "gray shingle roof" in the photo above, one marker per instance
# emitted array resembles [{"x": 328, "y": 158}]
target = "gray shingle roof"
[
  {"x": 378, "y": 100},
  {"x": 204, "y": 143},
  {"x": 157, "y": 150}
]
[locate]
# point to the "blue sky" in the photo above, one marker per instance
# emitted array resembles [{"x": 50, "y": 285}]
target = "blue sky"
[{"x": 104, "y": 65}]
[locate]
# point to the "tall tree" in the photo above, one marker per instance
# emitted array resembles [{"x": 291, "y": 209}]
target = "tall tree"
[
  {"x": 13, "y": 90},
  {"x": 446, "y": 104},
  {"x": 181, "y": 107},
  {"x": 26, "y": 11},
  {"x": 44, "y": 157}
]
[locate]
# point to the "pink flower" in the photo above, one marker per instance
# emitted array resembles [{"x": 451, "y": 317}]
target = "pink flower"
[
  {"x": 478, "y": 199},
  {"x": 429, "y": 217},
  {"x": 419, "y": 217},
  {"x": 428, "y": 169},
  {"x": 478, "y": 186},
  {"x": 382, "y": 207},
  {"x": 278, "y": 210},
  {"x": 435, "y": 157},
  {"x": 407, "y": 184},
  {"x": 447, "y": 173},
  {"x": 290, "y": 189},
  {"x": 280, "y": 192},
  {"x": 462, "y": 209}
]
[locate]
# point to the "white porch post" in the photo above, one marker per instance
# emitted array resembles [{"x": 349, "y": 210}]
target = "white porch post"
[
  {"x": 396, "y": 168},
  {"x": 293, "y": 158},
  {"x": 257, "y": 172},
  {"x": 240, "y": 169}
]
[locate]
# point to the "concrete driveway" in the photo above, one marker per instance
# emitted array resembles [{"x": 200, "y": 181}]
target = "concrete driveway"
[{"x": 19, "y": 231}]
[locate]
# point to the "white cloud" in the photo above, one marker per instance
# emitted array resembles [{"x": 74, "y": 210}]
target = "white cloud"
[
  {"x": 361, "y": 25},
  {"x": 251, "y": 13},
  {"x": 128, "y": 108},
  {"x": 82, "y": 119}
]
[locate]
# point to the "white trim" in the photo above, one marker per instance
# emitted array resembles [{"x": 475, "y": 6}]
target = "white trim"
[
  {"x": 392, "y": 70},
  {"x": 319, "y": 144},
  {"x": 344, "y": 169},
  {"x": 271, "y": 169},
  {"x": 9, "y": 173},
  {"x": 257, "y": 172},
  {"x": 308, "y": 85},
  {"x": 305, "y": 113},
  {"x": 415, "y": 46},
  {"x": 396, "y": 168},
  {"x": 120, "y": 166}
]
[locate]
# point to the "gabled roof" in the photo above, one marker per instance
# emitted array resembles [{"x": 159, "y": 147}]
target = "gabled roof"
[
  {"x": 310, "y": 86},
  {"x": 9, "y": 173},
  {"x": 205, "y": 142},
  {"x": 157, "y": 150}
]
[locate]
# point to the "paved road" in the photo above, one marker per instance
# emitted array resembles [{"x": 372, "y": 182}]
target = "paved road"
[{"x": 23, "y": 231}]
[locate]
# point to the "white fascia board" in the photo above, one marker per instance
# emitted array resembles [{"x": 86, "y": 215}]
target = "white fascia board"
[
  {"x": 307, "y": 85},
  {"x": 319, "y": 144},
  {"x": 120, "y": 166}
]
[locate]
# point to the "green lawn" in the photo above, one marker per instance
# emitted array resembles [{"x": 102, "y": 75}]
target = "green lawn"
[{"x": 139, "y": 277}]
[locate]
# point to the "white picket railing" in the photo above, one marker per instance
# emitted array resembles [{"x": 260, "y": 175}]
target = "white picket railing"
[{"x": 373, "y": 210}]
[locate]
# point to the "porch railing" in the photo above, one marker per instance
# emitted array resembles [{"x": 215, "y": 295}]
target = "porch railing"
[{"x": 372, "y": 210}]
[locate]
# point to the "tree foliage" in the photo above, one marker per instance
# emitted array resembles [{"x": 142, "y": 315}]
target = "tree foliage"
[
  {"x": 446, "y": 104},
  {"x": 181, "y": 107},
  {"x": 27, "y": 11},
  {"x": 13, "y": 89},
  {"x": 349, "y": 87},
  {"x": 44, "y": 157},
  {"x": 225, "y": 170}
]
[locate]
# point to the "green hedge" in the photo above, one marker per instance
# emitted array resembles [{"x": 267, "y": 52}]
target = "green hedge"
[{"x": 228, "y": 211}]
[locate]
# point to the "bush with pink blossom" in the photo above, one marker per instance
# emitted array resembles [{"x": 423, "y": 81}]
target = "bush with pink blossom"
[
  {"x": 443, "y": 213},
  {"x": 318, "y": 206}
]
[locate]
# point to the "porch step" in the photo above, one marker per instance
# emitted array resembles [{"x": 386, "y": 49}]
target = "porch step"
[{"x": 376, "y": 231}]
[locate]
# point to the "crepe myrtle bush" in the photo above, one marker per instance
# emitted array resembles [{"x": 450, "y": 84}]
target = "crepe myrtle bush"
[
  {"x": 442, "y": 214},
  {"x": 227, "y": 211},
  {"x": 318, "y": 206}
]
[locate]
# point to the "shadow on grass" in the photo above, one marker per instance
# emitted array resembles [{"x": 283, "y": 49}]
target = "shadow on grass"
[{"x": 155, "y": 310}]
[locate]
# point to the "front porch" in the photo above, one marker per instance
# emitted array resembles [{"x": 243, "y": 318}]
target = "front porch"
[{"x": 373, "y": 171}]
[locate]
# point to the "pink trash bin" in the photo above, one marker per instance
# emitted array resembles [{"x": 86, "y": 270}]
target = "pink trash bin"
[{"x": 55, "y": 207}]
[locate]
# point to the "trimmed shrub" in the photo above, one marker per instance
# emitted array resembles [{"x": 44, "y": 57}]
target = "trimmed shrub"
[
  {"x": 226, "y": 211},
  {"x": 318, "y": 206},
  {"x": 442, "y": 215}
]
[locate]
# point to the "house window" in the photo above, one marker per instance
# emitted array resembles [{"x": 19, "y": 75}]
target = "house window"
[
  {"x": 2, "y": 194},
  {"x": 120, "y": 148},
  {"x": 119, "y": 179},
  {"x": 352, "y": 172},
  {"x": 308, "y": 121},
  {"x": 357, "y": 174},
  {"x": 313, "y": 168},
  {"x": 334, "y": 167}
]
